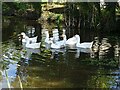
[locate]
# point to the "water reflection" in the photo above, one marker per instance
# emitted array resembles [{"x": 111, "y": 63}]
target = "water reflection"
[
  {"x": 30, "y": 31},
  {"x": 82, "y": 50},
  {"x": 104, "y": 49},
  {"x": 21, "y": 70},
  {"x": 55, "y": 53},
  {"x": 27, "y": 54}
]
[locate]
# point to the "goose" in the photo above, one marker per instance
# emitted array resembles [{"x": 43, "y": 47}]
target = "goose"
[
  {"x": 32, "y": 45},
  {"x": 47, "y": 39},
  {"x": 71, "y": 41},
  {"x": 84, "y": 44},
  {"x": 55, "y": 46},
  {"x": 59, "y": 44},
  {"x": 25, "y": 38},
  {"x": 62, "y": 42}
]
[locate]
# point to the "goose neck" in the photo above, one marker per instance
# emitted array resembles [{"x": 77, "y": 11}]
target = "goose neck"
[
  {"x": 78, "y": 38},
  {"x": 64, "y": 38}
]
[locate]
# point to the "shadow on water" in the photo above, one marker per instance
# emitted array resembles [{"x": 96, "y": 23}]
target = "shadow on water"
[{"x": 57, "y": 68}]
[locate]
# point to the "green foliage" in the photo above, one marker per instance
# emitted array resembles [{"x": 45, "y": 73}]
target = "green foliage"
[
  {"x": 21, "y": 7},
  {"x": 14, "y": 6},
  {"x": 5, "y": 7}
]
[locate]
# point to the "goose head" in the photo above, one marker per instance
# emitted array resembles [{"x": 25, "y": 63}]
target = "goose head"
[{"x": 23, "y": 35}]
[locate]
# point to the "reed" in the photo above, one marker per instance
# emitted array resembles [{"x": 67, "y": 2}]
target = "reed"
[
  {"x": 21, "y": 86},
  {"x": 8, "y": 83}
]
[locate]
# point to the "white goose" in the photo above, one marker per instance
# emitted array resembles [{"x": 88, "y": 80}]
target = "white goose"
[
  {"x": 59, "y": 44},
  {"x": 47, "y": 39},
  {"x": 25, "y": 38},
  {"x": 84, "y": 44},
  {"x": 32, "y": 45},
  {"x": 71, "y": 41},
  {"x": 62, "y": 42},
  {"x": 55, "y": 46}
]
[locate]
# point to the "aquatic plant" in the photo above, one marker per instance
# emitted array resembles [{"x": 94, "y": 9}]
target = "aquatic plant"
[
  {"x": 21, "y": 86},
  {"x": 7, "y": 78}
]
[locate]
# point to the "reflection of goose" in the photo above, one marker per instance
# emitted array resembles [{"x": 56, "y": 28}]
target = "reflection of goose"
[
  {"x": 30, "y": 52},
  {"x": 84, "y": 44},
  {"x": 55, "y": 53},
  {"x": 106, "y": 49},
  {"x": 105, "y": 45},
  {"x": 32, "y": 45},
  {"x": 25, "y": 38},
  {"x": 31, "y": 31},
  {"x": 82, "y": 50}
]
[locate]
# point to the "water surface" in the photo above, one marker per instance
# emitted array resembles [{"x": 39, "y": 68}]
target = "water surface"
[{"x": 46, "y": 68}]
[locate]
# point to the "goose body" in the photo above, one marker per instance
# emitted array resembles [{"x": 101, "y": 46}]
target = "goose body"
[
  {"x": 47, "y": 39},
  {"x": 25, "y": 38},
  {"x": 84, "y": 44},
  {"x": 62, "y": 42},
  {"x": 71, "y": 41},
  {"x": 59, "y": 44},
  {"x": 55, "y": 46},
  {"x": 32, "y": 45}
]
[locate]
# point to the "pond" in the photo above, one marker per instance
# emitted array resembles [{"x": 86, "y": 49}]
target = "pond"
[{"x": 49, "y": 68}]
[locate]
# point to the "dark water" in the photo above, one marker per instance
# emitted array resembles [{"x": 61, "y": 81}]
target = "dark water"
[{"x": 49, "y": 68}]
